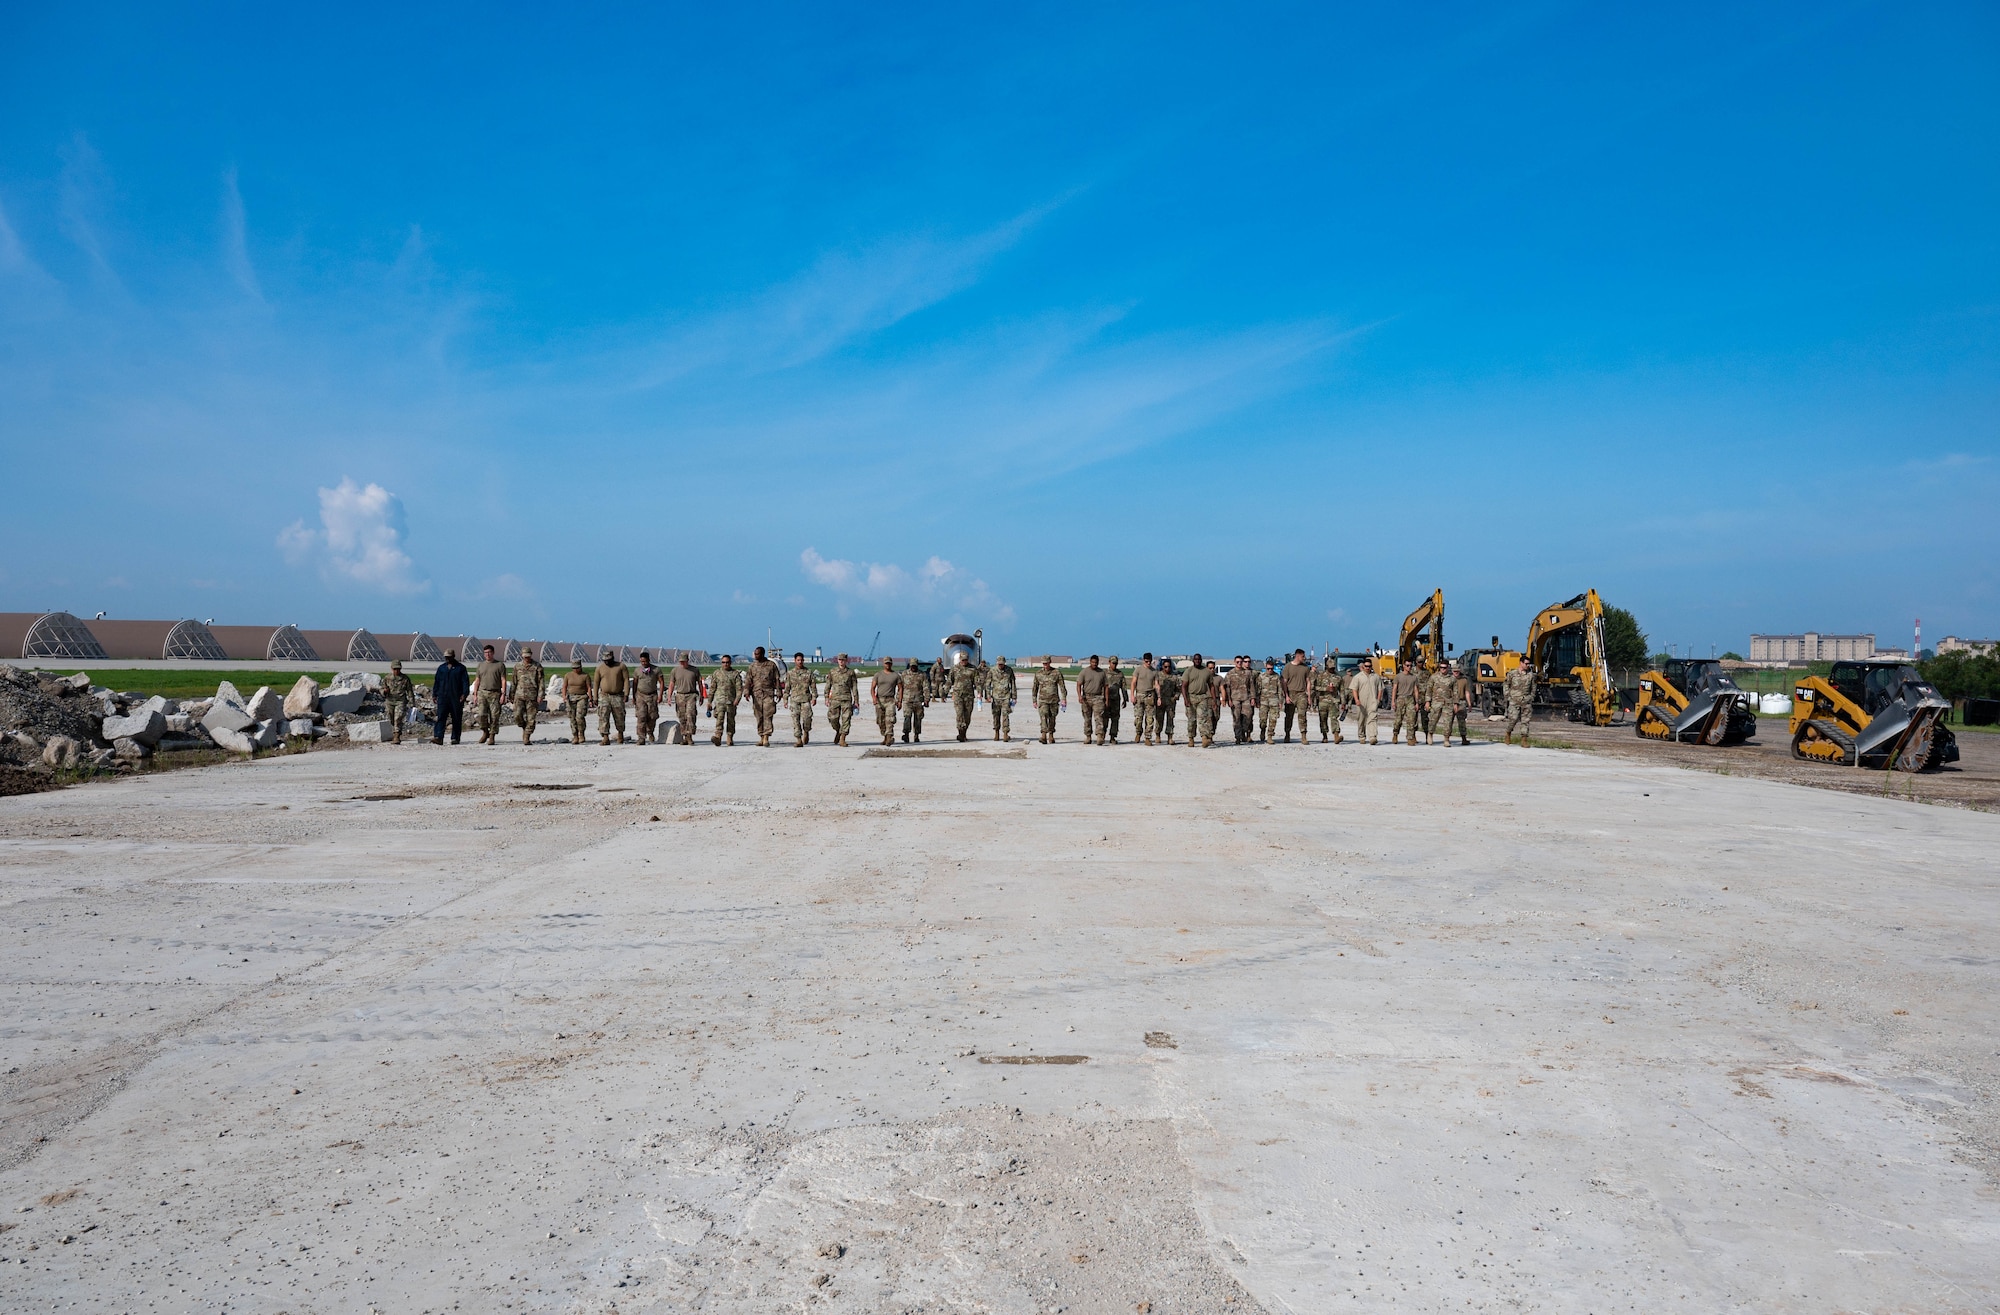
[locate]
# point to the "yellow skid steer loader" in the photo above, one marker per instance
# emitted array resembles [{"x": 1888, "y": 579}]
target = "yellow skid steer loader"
[{"x": 1878, "y": 714}]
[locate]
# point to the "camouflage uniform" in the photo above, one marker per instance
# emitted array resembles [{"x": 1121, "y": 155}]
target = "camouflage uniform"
[
  {"x": 1240, "y": 685},
  {"x": 646, "y": 685},
  {"x": 1091, "y": 683},
  {"x": 883, "y": 689},
  {"x": 764, "y": 678},
  {"x": 916, "y": 688},
  {"x": 684, "y": 687},
  {"x": 725, "y": 690},
  {"x": 1406, "y": 694},
  {"x": 1198, "y": 689},
  {"x": 1001, "y": 689},
  {"x": 399, "y": 692},
  {"x": 611, "y": 680},
  {"x": 1169, "y": 692},
  {"x": 1145, "y": 704},
  {"x": 1048, "y": 691},
  {"x": 1447, "y": 703},
  {"x": 1520, "y": 689},
  {"x": 843, "y": 691},
  {"x": 800, "y": 688},
  {"x": 576, "y": 700},
  {"x": 491, "y": 684},
  {"x": 528, "y": 681},
  {"x": 1114, "y": 698},
  {"x": 1329, "y": 688},
  {"x": 964, "y": 693},
  {"x": 1270, "y": 699}
]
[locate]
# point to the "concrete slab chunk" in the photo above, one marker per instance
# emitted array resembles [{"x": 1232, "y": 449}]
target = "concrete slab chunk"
[
  {"x": 145, "y": 725},
  {"x": 303, "y": 700},
  {"x": 265, "y": 704},
  {"x": 226, "y": 715},
  {"x": 367, "y": 732},
  {"x": 341, "y": 698}
]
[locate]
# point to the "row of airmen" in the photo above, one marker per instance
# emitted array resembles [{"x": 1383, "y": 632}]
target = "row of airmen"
[{"x": 1263, "y": 704}]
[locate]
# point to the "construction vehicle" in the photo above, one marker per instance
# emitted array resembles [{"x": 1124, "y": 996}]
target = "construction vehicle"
[
  {"x": 1485, "y": 669},
  {"x": 1878, "y": 713},
  {"x": 1565, "y": 649},
  {"x": 1693, "y": 701},
  {"x": 1421, "y": 640}
]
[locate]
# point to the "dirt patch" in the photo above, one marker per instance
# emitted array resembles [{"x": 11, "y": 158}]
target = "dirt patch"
[{"x": 16, "y": 780}]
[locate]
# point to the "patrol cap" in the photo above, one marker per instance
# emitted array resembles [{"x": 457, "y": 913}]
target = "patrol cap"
[{"x": 396, "y": 666}]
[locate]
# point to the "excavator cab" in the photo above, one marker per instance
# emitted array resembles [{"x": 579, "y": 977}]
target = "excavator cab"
[
  {"x": 1485, "y": 669},
  {"x": 1878, "y": 714},
  {"x": 1693, "y": 701},
  {"x": 1565, "y": 649}
]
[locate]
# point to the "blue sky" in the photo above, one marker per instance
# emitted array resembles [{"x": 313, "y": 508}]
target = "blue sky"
[{"x": 1111, "y": 327}]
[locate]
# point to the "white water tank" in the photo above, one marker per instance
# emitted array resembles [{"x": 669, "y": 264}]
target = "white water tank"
[{"x": 1778, "y": 704}]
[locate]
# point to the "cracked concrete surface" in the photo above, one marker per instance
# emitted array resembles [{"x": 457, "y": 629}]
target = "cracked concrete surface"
[{"x": 1346, "y": 1029}]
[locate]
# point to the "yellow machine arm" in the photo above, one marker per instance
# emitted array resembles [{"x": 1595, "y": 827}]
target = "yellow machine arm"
[
  {"x": 1422, "y": 639},
  {"x": 1565, "y": 649}
]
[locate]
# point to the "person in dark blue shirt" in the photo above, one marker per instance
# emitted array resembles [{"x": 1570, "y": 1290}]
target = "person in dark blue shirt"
[{"x": 449, "y": 687}]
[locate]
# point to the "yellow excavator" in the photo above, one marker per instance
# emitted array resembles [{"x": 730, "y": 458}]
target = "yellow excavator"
[
  {"x": 1878, "y": 714},
  {"x": 1693, "y": 701},
  {"x": 1422, "y": 638},
  {"x": 1565, "y": 649},
  {"x": 1485, "y": 669}
]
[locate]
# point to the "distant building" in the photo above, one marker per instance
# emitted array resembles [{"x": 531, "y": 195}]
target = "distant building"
[
  {"x": 1953, "y": 644},
  {"x": 1778, "y": 650}
]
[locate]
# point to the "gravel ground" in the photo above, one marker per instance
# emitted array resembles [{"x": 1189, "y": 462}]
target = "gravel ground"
[{"x": 1117, "y": 1029}]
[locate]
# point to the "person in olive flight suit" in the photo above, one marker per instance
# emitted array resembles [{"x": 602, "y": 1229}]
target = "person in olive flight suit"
[{"x": 528, "y": 681}]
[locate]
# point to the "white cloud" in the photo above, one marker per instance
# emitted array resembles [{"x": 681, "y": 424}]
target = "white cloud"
[
  {"x": 359, "y": 540},
  {"x": 935, "y": 586}
]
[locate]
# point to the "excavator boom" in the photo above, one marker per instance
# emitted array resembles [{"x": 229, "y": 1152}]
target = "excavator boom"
[{"x": 1565, "y": 648}]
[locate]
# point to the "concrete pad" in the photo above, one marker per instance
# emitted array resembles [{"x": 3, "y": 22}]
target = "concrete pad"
[{"x": 1293, "y": 1029}]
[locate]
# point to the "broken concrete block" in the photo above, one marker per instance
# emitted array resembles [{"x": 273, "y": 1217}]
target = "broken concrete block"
[
  {"x": 144, "y": 725},
  {"x": 368, "y": 732},
  {"x": 341, "y": 698},
  {"x": 265, "y": 705},
  {"x": 20, "y": 747},
  {"x": 303, "y": 701},
  {"x": 226, "y": 715},
  {"x": 178, "y": 723},
  {"x": 62, "y": 752},
  {"x": 367, "y": 680},
  {"x": 130, "y": 749},
  {"x": 300, "y": 727},
  {"x": 79, "y": 682},
  {"x": 234, "y": 740},
  {"x": 228, "y": 691},
  {"x": 268, "y": 735}
]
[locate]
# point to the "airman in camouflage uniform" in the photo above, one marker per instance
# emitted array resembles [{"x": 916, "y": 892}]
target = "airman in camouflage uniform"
[
  {"x": 1114, "y": 698},
  {"x": 491, "y": 685},
  {"x": 764, "y": 678},
  {"x": 528, "y": 681},
  {"x": 1051, "y": 693},
  {"x": 684, "y": 686},
  {"x": 1329, "y": 690},
  {"x": 1001, "y": 689},
  {"x": 1169, "y": 692},
  {"x": 1297, "y": 678},
  {"x": 1091, "y": 684},
  {"x": 611, "y": 681},
  {"x": 399, "y": 692},
  {"x": 1447, "y": 704},
  {"x": 1240, "y": 685},
  {"x": 576, "y": 700},
  {"x": 964, "y": 692},
  {"x": 801, "y": 686},
  {"x": 1270, "y": 701},
  {"x": 1406, "y": 695},
  {"x": 883, "y": 690},
  {"x": 1145, "y": 693},
  {"x": 916, "y": 688},
  {"x": 647, "y": 683},
  {"x": 1520, "y": 690},
  {"x": 1198, "y": 690},
  {"x": 843, "y": 691},
  {"x": 725, "y": 689}
]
